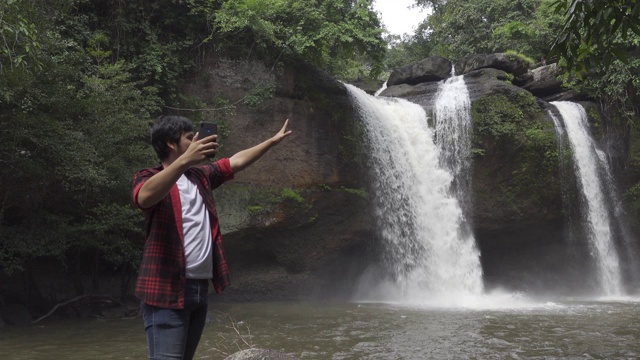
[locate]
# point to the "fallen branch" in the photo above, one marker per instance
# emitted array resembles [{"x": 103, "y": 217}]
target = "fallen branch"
[{"x": 75, "y": 299}]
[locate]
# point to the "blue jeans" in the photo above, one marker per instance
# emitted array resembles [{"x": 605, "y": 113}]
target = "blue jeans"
[{"x": 175, "y": 333}]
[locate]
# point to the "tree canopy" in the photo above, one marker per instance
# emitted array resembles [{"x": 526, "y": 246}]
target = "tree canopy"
[
  {"x": 596, "y": 32},
  {"x": 80, "y": 81},
  {"x": 458, "y": 28}
]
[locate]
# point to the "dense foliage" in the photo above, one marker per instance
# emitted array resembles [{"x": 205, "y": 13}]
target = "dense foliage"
[
  {"x": 601, "y": 37},
  {"x": 341, "y": 36},
  {"x": 80, "y": 81},
  {"x": 595, "y": 32},
  {"x": 457, "y": 28}
]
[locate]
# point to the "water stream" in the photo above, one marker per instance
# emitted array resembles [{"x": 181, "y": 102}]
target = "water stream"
[
  {"x": 598, "y": 220},
  {"x": 352, "y": 331},
  {"x": 431, "y": 254}
]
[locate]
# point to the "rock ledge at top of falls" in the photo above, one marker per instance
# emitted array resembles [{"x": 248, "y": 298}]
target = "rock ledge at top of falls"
[
  {"x": 434, "y": 68},
  {"x": 421, "y": 79},
  {"x": 508, "y": 63}
]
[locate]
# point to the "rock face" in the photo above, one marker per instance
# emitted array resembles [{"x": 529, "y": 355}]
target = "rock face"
[
  {"x": 297, "y": 222},
  {"x": 509, "y": 63},
  {"x": 518, "y": 212},
  {"x": 15, "y": 314},
  {"x": 545, "y": 81}
]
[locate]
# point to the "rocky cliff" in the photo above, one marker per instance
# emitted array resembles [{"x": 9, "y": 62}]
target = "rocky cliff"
[
  {"x": 298, "y": 223},
  {"x": 522, "y": 202}
]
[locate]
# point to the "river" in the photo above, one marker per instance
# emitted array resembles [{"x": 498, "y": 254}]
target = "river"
[{"x": 325, "y": 330}]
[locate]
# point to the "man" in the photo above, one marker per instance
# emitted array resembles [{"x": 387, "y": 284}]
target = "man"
[{"x": 183, "y": 249}]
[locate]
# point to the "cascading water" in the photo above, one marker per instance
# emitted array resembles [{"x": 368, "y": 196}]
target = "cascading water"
[
  {"x": 567, "y": 180},
  {"x": 428, "y": 251},
  {"x": 452, "y": 122},
  {"x": 382, "y": 88},
  {"x": 599, "y": 230}
]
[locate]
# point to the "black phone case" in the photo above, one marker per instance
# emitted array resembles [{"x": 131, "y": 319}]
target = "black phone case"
[{"x": 207, "y": 129}]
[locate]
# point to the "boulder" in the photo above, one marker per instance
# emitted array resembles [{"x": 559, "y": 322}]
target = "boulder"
[
  {"x": 423, "y": 93},
  {"x": 545, "y": 81},
  {"x": 509, "y": 63},
  {"x": 433, "y": 68},
  {"x": 260, "y": 354}
]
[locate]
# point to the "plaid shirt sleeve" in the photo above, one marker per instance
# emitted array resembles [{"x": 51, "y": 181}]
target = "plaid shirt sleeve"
[
  {"x": 161, "y": 276},
  {"x": 218, "y": 172}
]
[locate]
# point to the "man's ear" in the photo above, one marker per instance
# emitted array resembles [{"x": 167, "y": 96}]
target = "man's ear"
[{"x": 172, "y": 146}]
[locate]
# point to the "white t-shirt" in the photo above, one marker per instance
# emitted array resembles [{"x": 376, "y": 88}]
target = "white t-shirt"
[{"x": 197, "y": 231}]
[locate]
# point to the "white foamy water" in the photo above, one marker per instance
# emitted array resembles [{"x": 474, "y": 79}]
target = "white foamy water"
[
  {"x": 431, "y": 258},
  {"x": 383, "y": 88},
  {"x": 598, "y": 220}
]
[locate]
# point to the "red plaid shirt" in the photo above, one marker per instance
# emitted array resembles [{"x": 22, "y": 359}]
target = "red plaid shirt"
[{"x": 162, "y": 273}]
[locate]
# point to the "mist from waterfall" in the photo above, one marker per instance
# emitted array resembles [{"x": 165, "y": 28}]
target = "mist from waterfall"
[
  {"x": 588, "y": 164},
  {"x": 430, "y": 254}
]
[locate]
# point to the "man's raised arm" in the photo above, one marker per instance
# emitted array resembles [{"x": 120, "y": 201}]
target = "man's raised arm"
[
  {"x": 159, "y": 185},
  {"x": 244, "y": 158}
]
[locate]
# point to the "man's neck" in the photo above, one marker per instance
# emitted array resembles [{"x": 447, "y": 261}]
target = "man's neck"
[{"x": 168, "y": 161}]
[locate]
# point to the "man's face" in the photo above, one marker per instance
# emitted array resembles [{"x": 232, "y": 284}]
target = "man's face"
[{"x": 185, "y": 141}]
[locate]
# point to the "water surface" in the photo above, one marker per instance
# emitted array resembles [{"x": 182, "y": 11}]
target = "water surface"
[{"x": 309, "y": 330}]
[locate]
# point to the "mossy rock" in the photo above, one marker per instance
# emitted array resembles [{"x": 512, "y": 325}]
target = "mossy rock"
[{"x": 516, "y": 164}]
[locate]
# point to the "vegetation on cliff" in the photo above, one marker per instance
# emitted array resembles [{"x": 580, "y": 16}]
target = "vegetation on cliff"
[
  {"x": 599, "y": 36},
  {"x": 513, "y": 125},
  {"x": 80, "y": 81}
]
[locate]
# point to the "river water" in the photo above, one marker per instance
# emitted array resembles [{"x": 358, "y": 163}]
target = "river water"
[{"x": 325, "y": 330}]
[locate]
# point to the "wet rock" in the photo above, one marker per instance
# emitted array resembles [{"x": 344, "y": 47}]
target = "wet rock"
[
  {"x": 433, "y": 68},
  {"x": 302, "y": 207},
  {"x": 369, "y": 86},
  {"x": 509, "y": 63},
  {"x": 260, "y": 354},
  {"x": 545, "y": 81}
]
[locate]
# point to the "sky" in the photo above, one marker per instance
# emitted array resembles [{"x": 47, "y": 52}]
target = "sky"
[{"x": 397, "y": 16}]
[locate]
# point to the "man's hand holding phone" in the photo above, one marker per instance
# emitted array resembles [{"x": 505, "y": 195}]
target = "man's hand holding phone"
[{"x": 209, "y": 130}]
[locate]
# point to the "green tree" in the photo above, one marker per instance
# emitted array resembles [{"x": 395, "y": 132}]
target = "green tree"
[
  {"x": 72, "y": 125},
  {"x": 341, "y": 36},
  {"x": 595, "y": 32},
  {"x": 82, "y": 78},
  {"x": 18, "y": 36},
  {"x": 460, "y": 28}
]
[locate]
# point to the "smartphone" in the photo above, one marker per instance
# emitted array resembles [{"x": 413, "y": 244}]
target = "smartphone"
[{"x": 207, "y": 129}]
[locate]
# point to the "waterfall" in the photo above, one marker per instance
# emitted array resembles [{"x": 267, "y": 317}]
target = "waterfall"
[
  {"x": 599, "y": 226},
  {"x": 428, "y": 251},
  {"x": 382, "y": 88},
  {"x": 452, "y": 122},
  {"x": 567, "y": 180}
]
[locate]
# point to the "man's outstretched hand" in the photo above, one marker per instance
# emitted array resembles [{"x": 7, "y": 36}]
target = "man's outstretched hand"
[
  {"x": 244, "y": 158},
  {"x": 283, "y": 133}
]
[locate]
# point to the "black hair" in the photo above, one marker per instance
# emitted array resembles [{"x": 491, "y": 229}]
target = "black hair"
[{"x": 168, "y": 128}]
